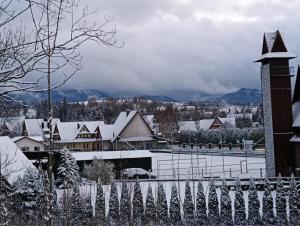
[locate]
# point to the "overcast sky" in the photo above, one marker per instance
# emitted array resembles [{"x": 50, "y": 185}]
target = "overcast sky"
[{"x": 205, "y": 45}]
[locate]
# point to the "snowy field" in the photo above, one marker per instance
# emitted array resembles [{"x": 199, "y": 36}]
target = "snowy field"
[{"x": 168, "y": 166}]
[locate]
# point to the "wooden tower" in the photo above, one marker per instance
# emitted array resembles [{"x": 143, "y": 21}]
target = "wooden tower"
[{"x": 277, "y": 104}]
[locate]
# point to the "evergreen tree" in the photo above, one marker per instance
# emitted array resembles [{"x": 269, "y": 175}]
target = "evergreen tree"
[
  {"x": 175, "y": 213},
  {"x": 113, "y": 212},
  {"x": 213, "y": 205},
  {"x": 162, "y": 206},
  {"x": 4, "y": 213},
  {"x": 67, "y": 171},
  {"x": 226, "y": 208},
  {"x": 281, "y": 217},
  {"x": 239, "y": 205},
  {"x": 76, "y": 206},
  {"x": 100, "y": 206},
  {"x": 87, "y": 210},
  {"x": 201, "y": 217},
  {"x": 28, "y": 194},
  {"x": 150, "y": 210},
  {"x": 253, "y": 205},
  {"x": 267, "y": 208},
  {"x": 188, "y": 205},
  {"x": 41, "y": 199},
  {"x": 137, "y": 205},
  {"x": 293, "y": 202},
  {"x": 125, "y": 207}
]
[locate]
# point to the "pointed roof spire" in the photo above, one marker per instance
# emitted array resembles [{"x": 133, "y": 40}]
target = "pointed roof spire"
[
  {"x": 274, "y": 47},
  {"x": 296, "y": 96}
]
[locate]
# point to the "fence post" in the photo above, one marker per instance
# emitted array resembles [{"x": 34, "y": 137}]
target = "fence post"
[
  {"x": 261, "y": 174},
  {"x": 230, "y": 173},
  {"x": 202, "y": 172}
]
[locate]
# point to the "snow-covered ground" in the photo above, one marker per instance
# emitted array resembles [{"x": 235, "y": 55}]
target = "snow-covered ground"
[
  {"x": 165, "y": 165},
  {"x": 196, "y": 166}
]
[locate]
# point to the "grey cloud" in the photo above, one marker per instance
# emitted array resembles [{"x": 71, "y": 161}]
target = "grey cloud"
[{"x": 180, "y": 44}]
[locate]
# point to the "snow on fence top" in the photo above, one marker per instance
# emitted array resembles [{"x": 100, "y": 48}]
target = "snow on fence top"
[
  {"x": 13, "y": 161},
  {"x": 84, "y": 156}
]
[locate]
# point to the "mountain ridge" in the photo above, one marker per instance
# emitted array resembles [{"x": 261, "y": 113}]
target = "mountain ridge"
[{"x": 241, "y": 96}]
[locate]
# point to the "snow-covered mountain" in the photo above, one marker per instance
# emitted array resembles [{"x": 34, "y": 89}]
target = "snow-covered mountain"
[
  {"x": 72, "y": 95},
  {"x": 241, "y": 96}
]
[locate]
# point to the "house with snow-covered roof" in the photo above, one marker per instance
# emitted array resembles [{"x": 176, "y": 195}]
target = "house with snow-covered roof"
[
  {"x": 30, "y": 144},
  {"x": 129, "y": 131},
  {"x": 38, "y": 127},
  {"x": 82, "y": 136},
  {"x": 11, "y": 126},
  {"x": 206, "y": 124},
  {"x": 13, "y": 161}
]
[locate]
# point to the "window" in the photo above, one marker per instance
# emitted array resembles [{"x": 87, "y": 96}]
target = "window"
[
  {"x": 25, "y": 149},
  {"x": 36, "y": 148}
]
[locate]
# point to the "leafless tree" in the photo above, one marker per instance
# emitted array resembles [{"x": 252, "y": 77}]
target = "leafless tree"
[
  {"x": 60, "y": 28},
  {"x": 52, "y": 48}
]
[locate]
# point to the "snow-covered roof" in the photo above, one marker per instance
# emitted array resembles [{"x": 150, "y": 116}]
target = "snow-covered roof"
[
  {"x": 230, "y": 120},
  {"x": 270, "y": 39},
  {"x": 68, "y": 131},
  {"x": 13, "y": 123},
  {"x": 122, "y": 121},
  {"x": 187, "y": 126},
  {"x": 295, "y": 138},
  {"x": 85, "y": 156},
  {"x": 34, "y": 126},
  {"x": 39, "y": 139},
  {"x": 13, "y": 161},
  {"x": 206, "y": 123},
  {"x": 149, "y": 119},
  {"x": 202, "y": 124},
  {"x": 276, "y": 55}
]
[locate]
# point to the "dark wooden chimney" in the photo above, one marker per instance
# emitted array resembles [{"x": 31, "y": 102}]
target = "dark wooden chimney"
[{"x": 277, "y": 104}]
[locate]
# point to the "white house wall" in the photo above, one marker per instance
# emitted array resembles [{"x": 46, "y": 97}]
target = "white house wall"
[
  {"x": 136, "y": 128},
  {"x": 30, "y": 144}
]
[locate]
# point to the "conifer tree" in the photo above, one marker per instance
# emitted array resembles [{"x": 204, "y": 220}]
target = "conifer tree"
[
  {"x": 188, "y": 205},
  {"x": 100, "y": 218},
  {"x": 41, "y": 198},
  {"x": 281, "y": 216},
  {"x": 267, "y": 208},
  {"x": 174, "y": 211},
  {"x": 162, "y": 206},
  {"x": 28, "y": 192},
  {"x": 253, "y": 205},
  {"x": 113, "y": 211},
  {"x": 4, "y": 213},
  {"x": 239, "y": 204},
  {"x": 67, "y": 171},
  {"x": 226, "y": 208},
  {"x": 201, "y": 217},
  {"x": 293, "y": 202},
  {"x": 76, "y": 206},
  {"x": 213, "y": 205},
  {"x": 150, "y": 210},
  {"x": 87, "y": 210},
  {"x": 125, "y": 207},
  {"x": 137, "y": 205}
]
